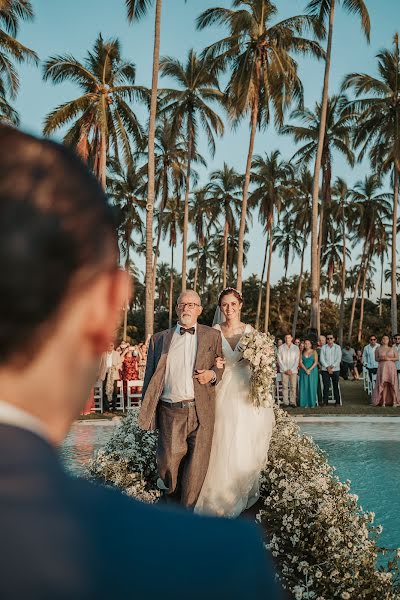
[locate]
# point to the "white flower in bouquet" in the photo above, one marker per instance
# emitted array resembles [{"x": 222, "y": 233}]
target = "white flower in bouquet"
[{"x": 258, "y": 348}]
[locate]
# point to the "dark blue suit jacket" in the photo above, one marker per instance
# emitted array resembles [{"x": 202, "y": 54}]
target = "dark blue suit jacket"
[{"x": 66, "y": 538}]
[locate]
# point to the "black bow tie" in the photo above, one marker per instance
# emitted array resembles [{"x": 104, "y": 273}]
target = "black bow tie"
[{"x": 191, "y": 330}]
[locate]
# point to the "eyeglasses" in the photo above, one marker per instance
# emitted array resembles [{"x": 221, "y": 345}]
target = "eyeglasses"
[
  {"x": 190, "y": 305},
  {"x": 372, "y": 340},
  {"x": 330, "y": 337}
]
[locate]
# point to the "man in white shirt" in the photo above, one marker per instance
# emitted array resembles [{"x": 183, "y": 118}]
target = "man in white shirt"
[
  {"x": 288, "y": 360},
  {"x": 179, "y": 399},
  {"x": 368, "y": 358},
  {"x": 330, "y": 359},
  {"x": 110, "y": 365}
]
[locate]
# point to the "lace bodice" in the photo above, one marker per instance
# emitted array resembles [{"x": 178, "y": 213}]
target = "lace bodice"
[{"x": 233, "y": 356}]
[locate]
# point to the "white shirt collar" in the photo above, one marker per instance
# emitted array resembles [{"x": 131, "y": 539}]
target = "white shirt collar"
[{"x": 17, "y": 417}]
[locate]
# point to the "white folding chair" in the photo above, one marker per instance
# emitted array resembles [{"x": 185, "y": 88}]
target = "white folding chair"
[
  {"x": 365, "y": 376},
  {"x": 120, "y": 404},
  {"x": 98, "y": 396},
  {"x": 278, "y": 389},
  {"x": 133, "y": 397}
]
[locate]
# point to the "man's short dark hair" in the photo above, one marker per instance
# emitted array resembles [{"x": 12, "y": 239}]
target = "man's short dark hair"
[{"x": 55, "y": 223}]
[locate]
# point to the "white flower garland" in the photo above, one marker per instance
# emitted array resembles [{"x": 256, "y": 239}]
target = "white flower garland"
[{"x": 324, "y": 545}]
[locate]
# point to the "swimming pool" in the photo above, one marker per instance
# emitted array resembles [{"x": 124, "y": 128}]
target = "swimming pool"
[
  {"x": 365, "y": 451},
  {"x": 368, "y": 453}
]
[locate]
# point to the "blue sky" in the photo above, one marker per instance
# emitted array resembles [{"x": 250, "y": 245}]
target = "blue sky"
[{"x": 71, "y": 27}]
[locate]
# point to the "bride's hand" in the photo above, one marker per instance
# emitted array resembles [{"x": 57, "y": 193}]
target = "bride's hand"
[{"x": 219, "y": 362}]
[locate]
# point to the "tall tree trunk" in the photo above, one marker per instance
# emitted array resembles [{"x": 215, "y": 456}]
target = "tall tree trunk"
[
  {"x": 243, "y": 215},
  {"x": 315, "y": 267},
  {"x": 196, "y": 272},
  {"x": 225, "y": 266},
  {"x": 103, "y": 160},
  {"x": 360, "y": 323},
  {"x": 298, "y": 295},
  {"x": 381, "y": 287},
  {"x": 150, "y": 275},
  {"x": 186, "y": 207},
  {"x": 260, "y": 291},
  {"x": 343, "y": 282},
  {"x": 357, "y": 285},
  {"x": 160, "y": 218},
  {"x": 393, "y": 304},
  {"x": 171, "y": 288},
  {"x": 268, "y": 282}
]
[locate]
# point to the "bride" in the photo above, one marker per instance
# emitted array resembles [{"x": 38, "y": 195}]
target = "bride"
[{"x": 242, "y": 432}]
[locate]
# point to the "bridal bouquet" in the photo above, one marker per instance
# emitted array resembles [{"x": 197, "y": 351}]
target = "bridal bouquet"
[{"x": 259, "y": 349}]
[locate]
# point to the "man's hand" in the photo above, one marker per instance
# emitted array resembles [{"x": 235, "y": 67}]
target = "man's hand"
[
  {"x": 204, "y": 377},
  {"x": 288, "y": 372}
]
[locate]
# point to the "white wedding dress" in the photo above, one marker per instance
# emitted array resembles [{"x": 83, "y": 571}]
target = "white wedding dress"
[{"x": 242, "y": 434}]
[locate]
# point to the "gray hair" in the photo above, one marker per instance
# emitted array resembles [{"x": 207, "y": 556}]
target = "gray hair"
[{"x": 192, "y": 292}]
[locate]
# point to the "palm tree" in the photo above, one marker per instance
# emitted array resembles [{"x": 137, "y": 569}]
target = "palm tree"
[
  {"x": 101, "y": 116},
  {"x": 126, "y": 188},
  {"x": 8, "y": 114},
  {"x": 232, "y": 253},
  {"x": 286, "y": 240},
  {"x": 263, "y": 77},
  {"x": 136, "y": 10},
  {"x": 273, "y": 178},
  {"x": 223, "y": 191},
  {"x": 341, "y": 192},
  {"x": 371, "y": 209},
  {"x": 189, "y": 108},
  {"x": 325, "y": 11},
  {"x": 170, "y": 169},
  {"x": 171, "y": 225},
  {"x": 203, "y": 216},
  {"x": 337, "y": 138},
  {"x": 382, "y": 249},
  {"x": 377, "y": 128},
  {"x": 301, "y": 211},
  {"x": 11, "y": 13}
]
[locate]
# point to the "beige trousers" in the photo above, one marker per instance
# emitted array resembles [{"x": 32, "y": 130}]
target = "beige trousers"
[
  {"x": 183, "y": 453},
  {"x": 289, "y": 382}
]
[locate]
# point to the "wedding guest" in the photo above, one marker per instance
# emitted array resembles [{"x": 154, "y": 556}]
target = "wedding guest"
[
  {"x": 297, "y": 342},
  {"x": 369, "y": 360},
  {"x": 130, "y": 368},
  {"x": 358, "y": 365},
  {"x": 61, "y": 288},
  {"x": 396, "y": 346},
  {"x": 386, "y": 390},
  {"x": 330, "y": 359},
  {"x": 348, "y": 357},
  {"x": 288, "y": 359},
  {"x": 301, "y": 347},
  {"x": 110, "y": 365},
  {"x": 279, "y": 342},
  {"x": 308, "y": 380}
]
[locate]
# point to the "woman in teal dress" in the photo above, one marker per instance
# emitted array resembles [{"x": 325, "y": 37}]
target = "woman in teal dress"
[{"x": 308, "y": 376}]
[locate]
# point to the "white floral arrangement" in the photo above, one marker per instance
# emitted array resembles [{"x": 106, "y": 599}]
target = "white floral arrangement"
[
  {"x": 324, "y": 545},
  {"x": 128, "y": 460},
  {"x": 259, "y": 349}
]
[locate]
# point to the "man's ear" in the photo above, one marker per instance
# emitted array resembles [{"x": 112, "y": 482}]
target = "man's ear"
[{"x": 106, "y": 301}]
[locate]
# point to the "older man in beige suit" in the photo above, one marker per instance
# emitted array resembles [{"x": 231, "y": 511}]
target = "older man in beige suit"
[
  {"x": 110, "y": 365},
  {"x": 179, "y": 400}
]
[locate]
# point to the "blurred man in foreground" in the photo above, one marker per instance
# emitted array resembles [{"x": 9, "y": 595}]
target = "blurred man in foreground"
[{"x": 64, "y": 538}]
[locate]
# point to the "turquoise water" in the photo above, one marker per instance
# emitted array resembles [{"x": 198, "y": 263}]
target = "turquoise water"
[
  {"x": 366, "y": 453},
  {"x": 369, "y": 455}
]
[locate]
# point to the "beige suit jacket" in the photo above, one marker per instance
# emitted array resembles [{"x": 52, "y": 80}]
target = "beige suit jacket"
[
  {"x": 209, "y": 347},
  {"x": 116, "y": 362}
]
